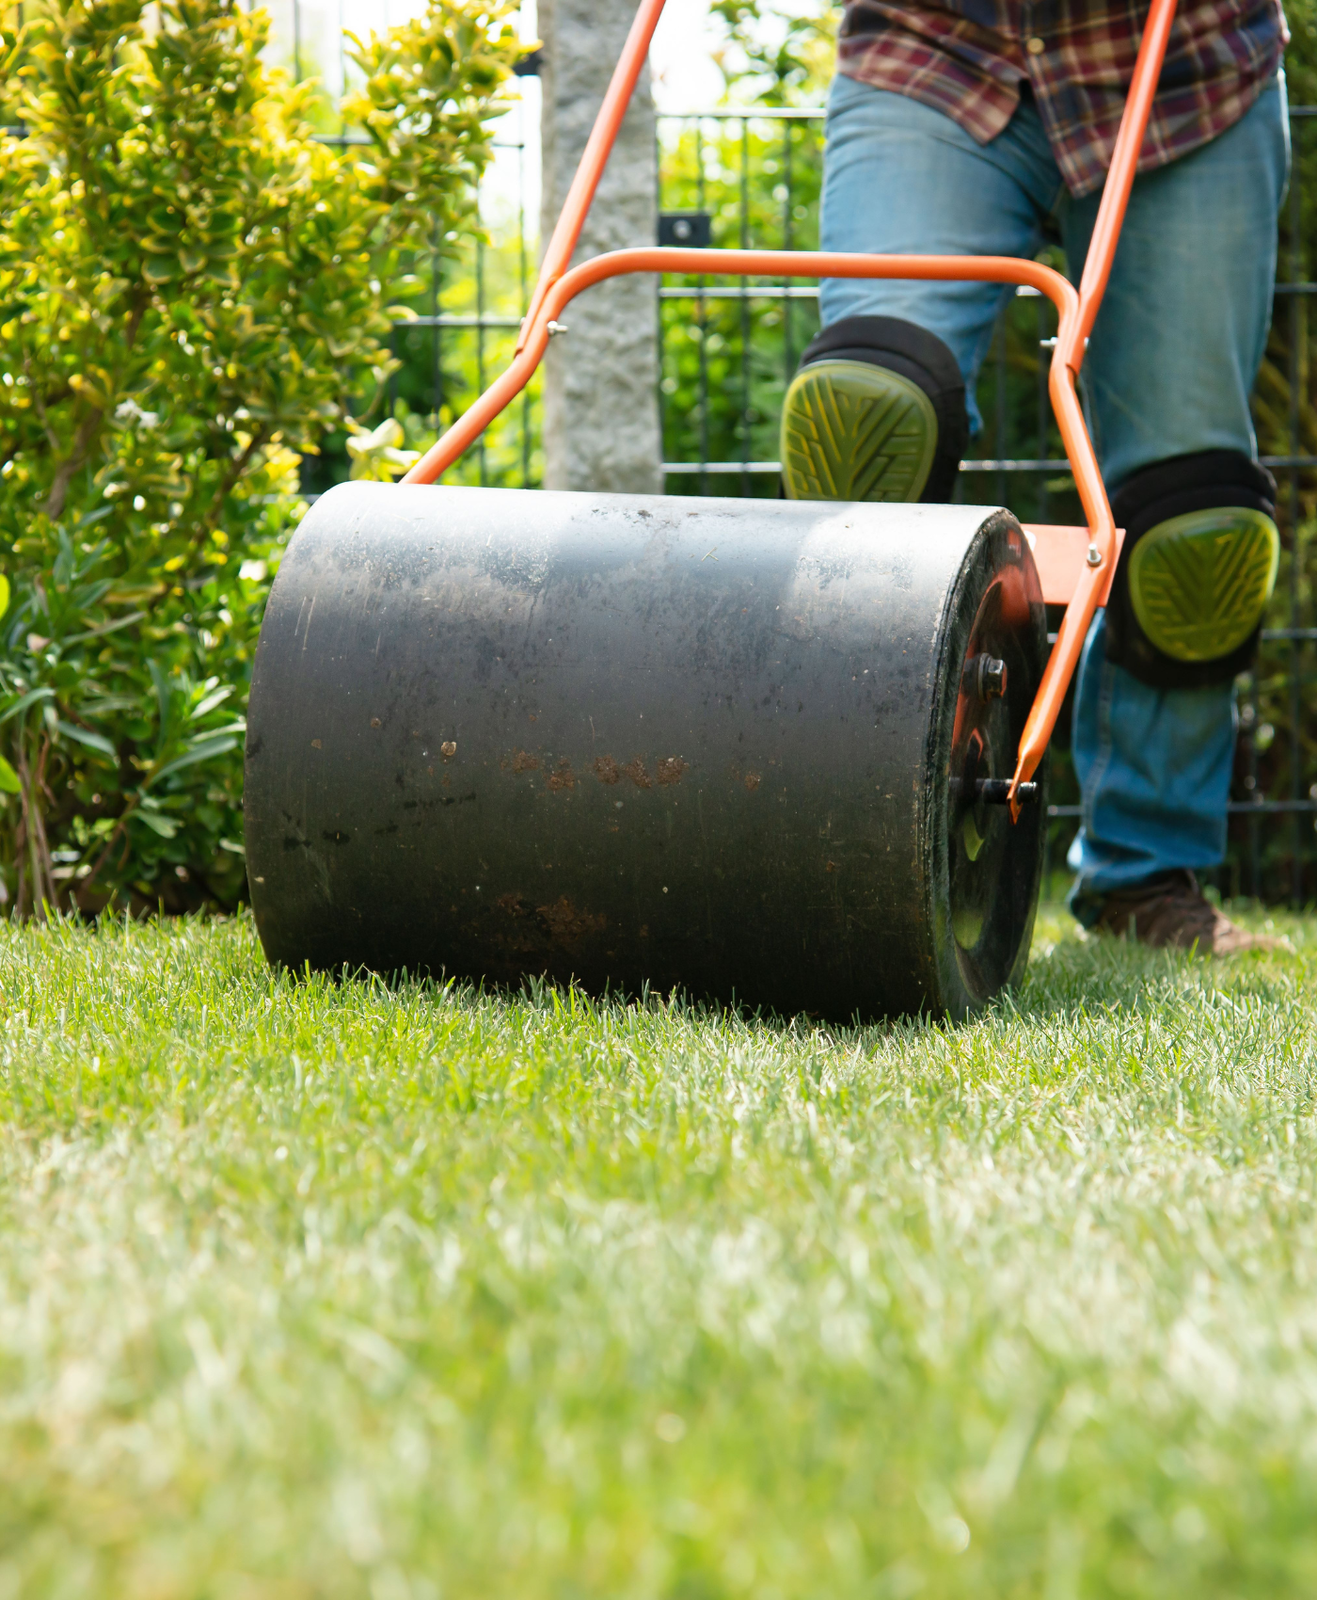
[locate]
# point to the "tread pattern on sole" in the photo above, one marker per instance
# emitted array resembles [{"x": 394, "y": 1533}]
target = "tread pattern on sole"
[
  {"x": 1199, "y": 582},
  {"x": 851, "y": 431}
]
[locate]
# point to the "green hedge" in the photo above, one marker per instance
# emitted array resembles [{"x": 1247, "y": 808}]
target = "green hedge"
[{"x": 193, "y": 291}]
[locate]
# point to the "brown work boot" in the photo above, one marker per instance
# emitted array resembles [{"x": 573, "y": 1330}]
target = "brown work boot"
[{"x": 1171, "y": 912}]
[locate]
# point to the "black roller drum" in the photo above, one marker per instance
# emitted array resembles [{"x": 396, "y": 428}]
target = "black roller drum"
[{"x": 749, "y": 749}]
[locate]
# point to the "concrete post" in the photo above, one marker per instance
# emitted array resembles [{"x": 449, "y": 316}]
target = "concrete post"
[{"x": 601, "y": 426}]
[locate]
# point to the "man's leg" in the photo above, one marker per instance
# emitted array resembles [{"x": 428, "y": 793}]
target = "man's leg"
[
  {"x": 1174, "y": 354},
  {"x": 889, "y": 369}
]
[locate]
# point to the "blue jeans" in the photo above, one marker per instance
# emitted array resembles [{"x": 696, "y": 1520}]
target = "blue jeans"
[{"x": 1173, "y": 356}]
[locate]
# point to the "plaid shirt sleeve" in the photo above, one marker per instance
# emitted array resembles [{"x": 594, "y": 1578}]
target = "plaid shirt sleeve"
[{"x": 968, "y": 58}]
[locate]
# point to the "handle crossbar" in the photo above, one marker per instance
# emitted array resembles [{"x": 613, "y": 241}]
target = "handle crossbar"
[{"x": 558, "y": 285}]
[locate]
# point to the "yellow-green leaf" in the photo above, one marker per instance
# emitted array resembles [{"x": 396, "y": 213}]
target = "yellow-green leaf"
[{"x": 9, "y": 783}]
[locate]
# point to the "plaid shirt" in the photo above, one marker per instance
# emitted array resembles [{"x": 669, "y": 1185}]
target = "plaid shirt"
[{"x": 968, "y": 58}]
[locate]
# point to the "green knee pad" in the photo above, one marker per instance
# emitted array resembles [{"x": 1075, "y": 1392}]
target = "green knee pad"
[
  {"x": 851, "y": 431},
  {"x": 876, "y": 412},
  {"x": 1196, "y": 570},
  {"x": 1198, "y": 583}
]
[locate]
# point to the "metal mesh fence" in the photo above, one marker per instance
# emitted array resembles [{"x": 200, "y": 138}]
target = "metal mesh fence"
[{"x": 465, "y": 306}]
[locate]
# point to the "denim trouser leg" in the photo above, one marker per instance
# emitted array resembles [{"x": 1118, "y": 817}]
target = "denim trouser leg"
[
  {"x": 1183, "y": 324},
  {"x": 1174, "y": 353},
  {"x": 1175, "y": 350},
  {"x": 902, "y": 179},
  {"x": 1154, "y": 773}
]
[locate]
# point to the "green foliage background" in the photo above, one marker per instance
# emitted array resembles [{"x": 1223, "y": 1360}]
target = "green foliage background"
[{"x": 193, "y": 292}]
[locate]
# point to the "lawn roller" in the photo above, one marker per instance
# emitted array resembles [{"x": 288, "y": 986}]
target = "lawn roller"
[{"x": 784, "y": 753}]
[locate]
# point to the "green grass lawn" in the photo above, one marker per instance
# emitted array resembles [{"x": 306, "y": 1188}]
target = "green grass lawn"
[{"x": 336, "y": 1290}]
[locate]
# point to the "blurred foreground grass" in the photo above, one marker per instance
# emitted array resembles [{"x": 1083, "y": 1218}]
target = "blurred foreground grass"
[{"x": 317, "y": 1290}]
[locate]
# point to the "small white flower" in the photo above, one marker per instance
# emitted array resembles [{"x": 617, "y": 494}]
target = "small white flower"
[{"x": 129, "y": 411}]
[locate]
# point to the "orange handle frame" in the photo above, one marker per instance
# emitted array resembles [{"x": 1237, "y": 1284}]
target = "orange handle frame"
[{"x": 1077, "y": 309}]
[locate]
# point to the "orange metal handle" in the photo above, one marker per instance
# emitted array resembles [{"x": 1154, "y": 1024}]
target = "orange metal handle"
[
  {"x": 1078, "y": 310},
  {"x": 594, "y": 158},
  {"x": 1071, "y": 342},
  {"x": 739, "y": 263}
]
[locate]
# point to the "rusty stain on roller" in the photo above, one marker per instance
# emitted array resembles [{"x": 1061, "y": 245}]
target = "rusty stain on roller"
[
  {"x": 564, "y": 922},
  {"x": 622, "y": 824}
]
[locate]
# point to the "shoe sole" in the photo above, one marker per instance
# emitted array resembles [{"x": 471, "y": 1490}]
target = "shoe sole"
[
  {"x": 1199, "y": 583},
  {"x": 851, "y": 431}
]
